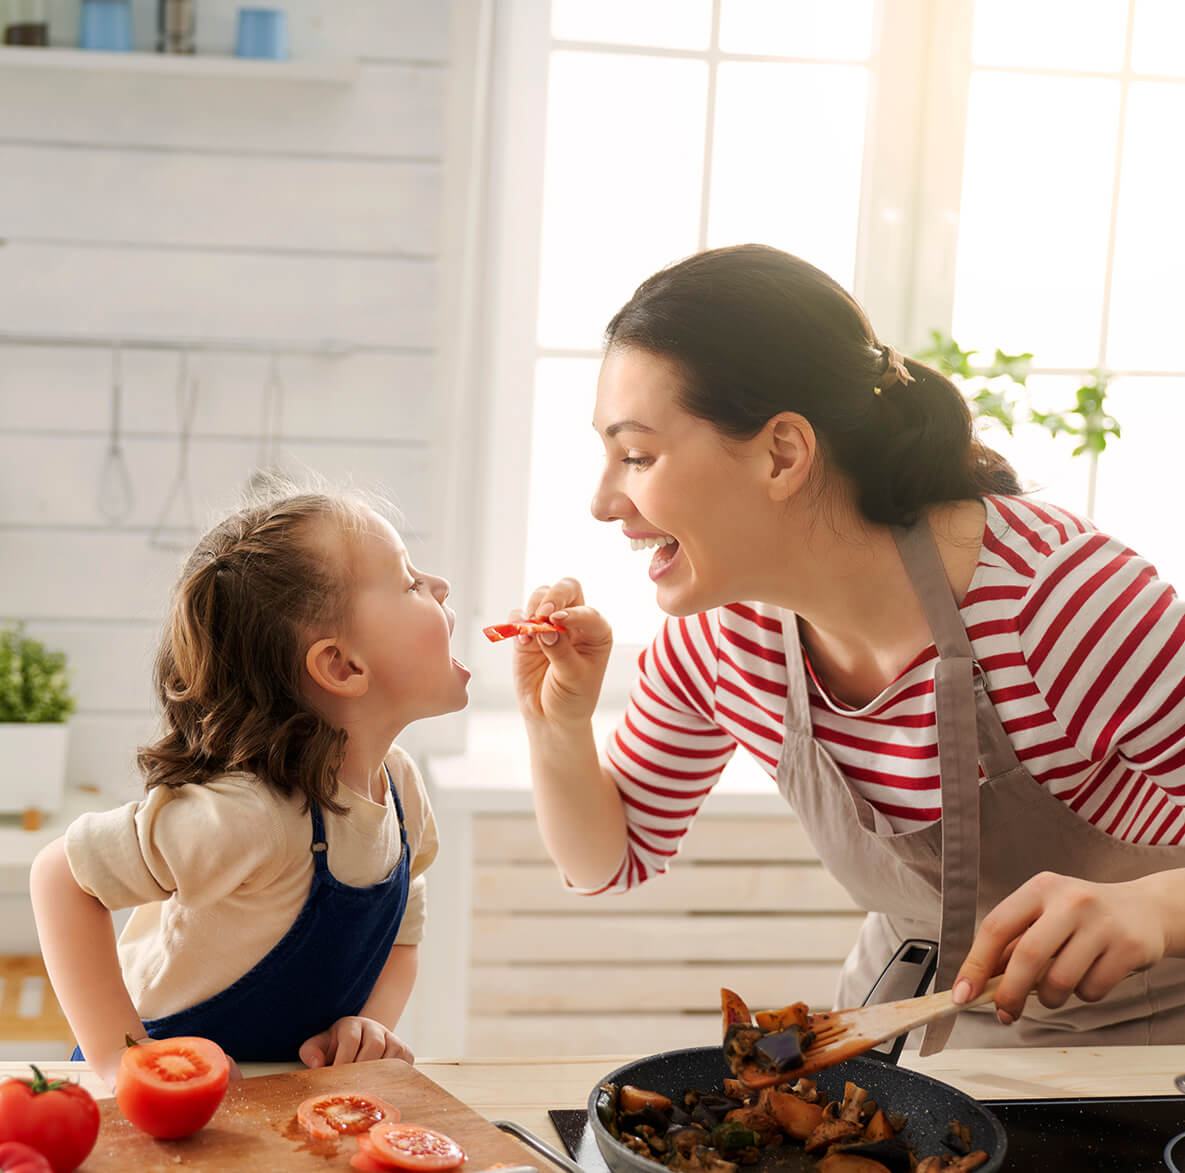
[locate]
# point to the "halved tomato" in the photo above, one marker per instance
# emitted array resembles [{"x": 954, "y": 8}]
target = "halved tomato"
[
  {"x": 171, "y": 1087},
  {"x": 343, "y": 1114},
  {"x": 411, "y": 1146}
]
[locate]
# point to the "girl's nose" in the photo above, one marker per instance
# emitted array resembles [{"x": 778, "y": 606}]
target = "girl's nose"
[{"x": 440, "y": 589}]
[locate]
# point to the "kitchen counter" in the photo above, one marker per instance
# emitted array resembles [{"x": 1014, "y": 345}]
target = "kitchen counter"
[{"x": 524, "y": 1089}]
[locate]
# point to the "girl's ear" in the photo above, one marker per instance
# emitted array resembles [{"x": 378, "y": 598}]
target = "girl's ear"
[
  {"x": 331, "y": 669},
  {"x": 791, "y": 445}
]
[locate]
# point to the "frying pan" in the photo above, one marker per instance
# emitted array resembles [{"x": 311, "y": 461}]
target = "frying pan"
[{"x": 928, "y": 1104}]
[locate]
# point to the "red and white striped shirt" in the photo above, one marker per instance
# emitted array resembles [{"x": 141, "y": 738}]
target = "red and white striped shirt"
[{"x": 1082, "y": 647}]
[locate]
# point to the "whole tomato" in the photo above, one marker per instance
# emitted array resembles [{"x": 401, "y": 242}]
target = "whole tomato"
[
  {"x": 20, "y": 1158},
  {"x": 57, "y": 1118}
]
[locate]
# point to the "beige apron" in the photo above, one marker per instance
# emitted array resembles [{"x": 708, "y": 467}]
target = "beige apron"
[{"x": 939, "y": 881}]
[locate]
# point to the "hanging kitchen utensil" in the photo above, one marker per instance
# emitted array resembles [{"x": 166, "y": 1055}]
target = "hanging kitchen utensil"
[
  {"x": 115, "y": 482},
  {"x": 271, "y": 429},
  {"x": 179, "y": 532}
]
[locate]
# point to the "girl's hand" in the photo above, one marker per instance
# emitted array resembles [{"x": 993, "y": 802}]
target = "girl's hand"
[
  {"x": 557, "y": 676},
  {"x": 353, "y": 1040},
  {"x": 1059, "y": 936}
]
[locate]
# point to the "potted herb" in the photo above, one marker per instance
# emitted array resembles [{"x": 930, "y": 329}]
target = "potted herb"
[
  {"x": 35, "y": 704},
  {"x": 997, "y": 391}
]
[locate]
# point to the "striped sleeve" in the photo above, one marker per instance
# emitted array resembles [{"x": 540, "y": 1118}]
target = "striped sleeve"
[
  {"x": 668, "y": 750},
  {"x": 1104, "y": 638}
]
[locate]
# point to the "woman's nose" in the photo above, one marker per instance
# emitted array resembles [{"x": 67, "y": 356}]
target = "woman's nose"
[
  {"x": 608, "y": 502},
  {"x": 440, "y": 589}
]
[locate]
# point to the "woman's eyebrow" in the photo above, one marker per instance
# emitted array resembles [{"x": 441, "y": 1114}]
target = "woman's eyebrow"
[{"x": 626, "y": 426}]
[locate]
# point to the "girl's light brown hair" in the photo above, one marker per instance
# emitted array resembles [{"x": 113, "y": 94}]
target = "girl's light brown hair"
[{"x": 229, "y": 669}]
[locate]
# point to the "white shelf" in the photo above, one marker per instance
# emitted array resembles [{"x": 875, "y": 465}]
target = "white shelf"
[{"x": 337, "y": 72}]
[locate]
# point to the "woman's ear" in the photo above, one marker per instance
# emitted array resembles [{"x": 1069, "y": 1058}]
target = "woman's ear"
[
  {"x": 330, "y": 668},
  {"x": 791, "y": 446}
]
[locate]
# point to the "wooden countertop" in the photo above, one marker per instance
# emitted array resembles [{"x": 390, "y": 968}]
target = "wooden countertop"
[{"x": 523, "y": 1089}]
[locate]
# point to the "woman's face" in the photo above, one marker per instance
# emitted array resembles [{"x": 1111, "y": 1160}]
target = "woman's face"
[{"x": 679, "y": 490}]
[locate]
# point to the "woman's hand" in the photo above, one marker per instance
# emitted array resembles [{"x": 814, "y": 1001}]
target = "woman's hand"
[
  {"x": 353, "y": 1040},
  {"x": 557, "y": 677},
  {"x": 1059, "y": 936}
]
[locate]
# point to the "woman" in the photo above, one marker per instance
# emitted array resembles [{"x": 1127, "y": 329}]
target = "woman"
[{"x": 907, "y": 614}]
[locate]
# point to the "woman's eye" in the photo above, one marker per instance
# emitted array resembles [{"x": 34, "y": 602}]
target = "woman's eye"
[
  {"x": 416, "y": 584},
  {"x": 636, "y": 461}
]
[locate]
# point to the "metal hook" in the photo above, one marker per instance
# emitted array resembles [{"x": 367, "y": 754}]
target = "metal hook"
[
  {"x": 179, "y": 536},
  {"x": 116, "y": 496}
]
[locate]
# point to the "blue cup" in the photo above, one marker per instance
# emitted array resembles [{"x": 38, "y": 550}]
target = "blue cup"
[
  {"x": 106, "y": 24},
  {"x": 263, "y": 33}
]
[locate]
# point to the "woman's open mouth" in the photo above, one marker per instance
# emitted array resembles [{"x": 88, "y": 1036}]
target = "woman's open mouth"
[{"x": 666, "y": 550}]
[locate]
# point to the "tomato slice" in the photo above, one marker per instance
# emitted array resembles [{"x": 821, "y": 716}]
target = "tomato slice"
[
  {"x": 343, "y": 1114},
  {"x": 411, "y": 1146},
  {"x": 171, "y": 1087},
  {"x": 368, "y": 1164}
]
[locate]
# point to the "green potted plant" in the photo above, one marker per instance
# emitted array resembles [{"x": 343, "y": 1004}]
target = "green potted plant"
[
  {"x": 35, "y": 705},
  {"x": 997, "y": 391}
]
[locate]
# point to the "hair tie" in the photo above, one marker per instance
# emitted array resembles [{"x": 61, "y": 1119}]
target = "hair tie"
[{"x": 894, "y": 371}]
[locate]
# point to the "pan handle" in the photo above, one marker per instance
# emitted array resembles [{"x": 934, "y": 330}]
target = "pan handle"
[
  {"x": 909, "y": 972},
  {"x": 538, "y": 1144}
]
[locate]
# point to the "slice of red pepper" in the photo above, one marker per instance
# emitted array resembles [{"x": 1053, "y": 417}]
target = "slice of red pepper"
[{"x": 523, "y": 627}]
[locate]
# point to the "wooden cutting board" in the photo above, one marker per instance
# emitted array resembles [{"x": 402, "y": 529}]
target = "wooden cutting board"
[{"x": 255, "y": 1126}]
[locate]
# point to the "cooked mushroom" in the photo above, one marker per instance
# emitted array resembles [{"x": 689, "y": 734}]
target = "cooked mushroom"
[
  {"x": 739, "y": 1041},
  {"x": 843, "y": 1162},
  {"x": 635, "y": 1099},
  {"x": 853, "y": 1102},
  {"x": 952, "y": 1164},
  {"x": 893, "y": 1153},
  {"x": 796, "y": 1014},
  {"x": 796, "y": 1117},
  {"x": 702, "y": 1159},
  {"x": 879, "y": 1127},
  {"x": 831, "y": 1132},
  {"x": 757, "y": 1120}
]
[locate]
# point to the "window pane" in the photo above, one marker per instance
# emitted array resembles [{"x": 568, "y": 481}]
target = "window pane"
[
  {"x": 1145, "y": 331},
  {"x": 1158, "y": 39},
  {"x": 789, "y": 145},
  {"x": 797, "y": 28},
  {"x": 622, "y": 179},
  {"x": 1044, "y": 463},
  {"x": 669, "y": 24},
  {"x": 1035, "y": 216},
  {"x": 1140, "y": 473},
  {"x": 1051, "y": 34},
  {"x": 563, "y": 538}
]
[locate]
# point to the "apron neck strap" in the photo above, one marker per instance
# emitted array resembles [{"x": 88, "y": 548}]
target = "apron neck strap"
[{"x": 923, "y": 564}]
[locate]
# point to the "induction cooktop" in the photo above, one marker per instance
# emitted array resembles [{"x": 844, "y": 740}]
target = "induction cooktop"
[{"x": 1125, "y": 1134}]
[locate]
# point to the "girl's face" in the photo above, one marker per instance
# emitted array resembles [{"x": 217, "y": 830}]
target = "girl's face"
[
  {"x": 678, "y": 489},
  {"x": 401, "y": 627}
]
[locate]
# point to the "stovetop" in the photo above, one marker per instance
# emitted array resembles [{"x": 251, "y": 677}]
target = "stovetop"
[{"x": 1127, "y": 1134}]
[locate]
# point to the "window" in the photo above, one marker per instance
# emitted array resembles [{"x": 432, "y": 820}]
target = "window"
[{"x": 996, "y": 169}]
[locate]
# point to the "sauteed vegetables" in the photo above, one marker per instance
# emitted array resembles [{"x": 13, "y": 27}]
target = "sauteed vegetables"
[{"x": 718, "y": 1130}]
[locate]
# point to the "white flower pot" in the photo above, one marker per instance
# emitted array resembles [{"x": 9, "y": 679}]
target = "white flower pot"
[{"x": 32, "y": 766}]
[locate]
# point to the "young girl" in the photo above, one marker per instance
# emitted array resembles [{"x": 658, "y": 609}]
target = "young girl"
[{"x": 275, "y": 862}]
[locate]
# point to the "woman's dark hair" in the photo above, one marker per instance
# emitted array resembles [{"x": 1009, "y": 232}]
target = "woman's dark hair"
[
  {"x": 757, "y": 331},
  {"x": 229, "y": 667}
]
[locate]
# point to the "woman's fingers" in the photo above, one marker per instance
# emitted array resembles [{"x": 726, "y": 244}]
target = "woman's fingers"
[{"x": 1060, "y": 936}]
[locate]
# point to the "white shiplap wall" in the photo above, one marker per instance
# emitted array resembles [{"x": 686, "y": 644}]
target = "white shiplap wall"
[{"x": 151, "y": 205}]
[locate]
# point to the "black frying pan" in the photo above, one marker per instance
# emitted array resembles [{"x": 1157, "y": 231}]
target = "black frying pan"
[{"x": 929, "y": 1105}]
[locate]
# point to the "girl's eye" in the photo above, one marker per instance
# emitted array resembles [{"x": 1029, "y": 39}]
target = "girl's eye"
[
  {"x": 416, "y": 584},
  {"x": 636, "y": 461}
]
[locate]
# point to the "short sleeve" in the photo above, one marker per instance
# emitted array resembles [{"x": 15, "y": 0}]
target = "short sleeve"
[{"x": 197, "y": 842}]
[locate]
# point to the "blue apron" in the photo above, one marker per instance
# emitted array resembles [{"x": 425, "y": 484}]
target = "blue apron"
[{"x": 323, "y": 968}]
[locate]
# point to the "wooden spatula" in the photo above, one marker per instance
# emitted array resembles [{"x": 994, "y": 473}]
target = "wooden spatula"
[{"x": 840, "y": 1034}]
